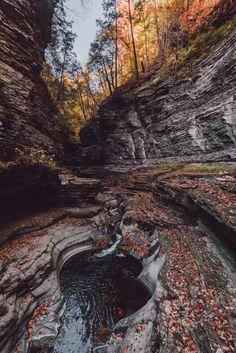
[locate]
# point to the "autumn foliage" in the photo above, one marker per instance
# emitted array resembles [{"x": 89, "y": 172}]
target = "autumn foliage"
[
  {"x": 132, "y": 37},
  {"x": 160, "y": 28}
]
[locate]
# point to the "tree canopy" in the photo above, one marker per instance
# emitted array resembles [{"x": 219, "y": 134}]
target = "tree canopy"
[{"x": 131, "y": 38}]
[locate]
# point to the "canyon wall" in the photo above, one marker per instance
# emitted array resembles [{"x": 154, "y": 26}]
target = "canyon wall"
[
  {"x": 27, "y": 114},
  {"x": 187, "y": 119}
]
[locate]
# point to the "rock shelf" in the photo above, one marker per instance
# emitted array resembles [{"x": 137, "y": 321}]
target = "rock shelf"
[{"x": 169, "y": 220}]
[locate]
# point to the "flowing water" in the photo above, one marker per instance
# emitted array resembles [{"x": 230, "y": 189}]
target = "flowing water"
[{"x": 99, "y": 291}]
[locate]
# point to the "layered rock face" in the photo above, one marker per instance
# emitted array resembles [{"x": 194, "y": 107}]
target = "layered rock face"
[
  {"x": 175, "y": 223},
  {"x": 192, "y": 119},
  {"x": 26, "y": 110}
]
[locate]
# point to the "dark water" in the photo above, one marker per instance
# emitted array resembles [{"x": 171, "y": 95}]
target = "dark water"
[{"x": 99, "y": 292}]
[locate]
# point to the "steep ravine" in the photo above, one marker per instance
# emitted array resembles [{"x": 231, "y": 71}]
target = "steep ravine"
[
  {"x": 190, "y": 118},
  {"x": 190, "y": 277},
  {"x": 177, "y": 224}
]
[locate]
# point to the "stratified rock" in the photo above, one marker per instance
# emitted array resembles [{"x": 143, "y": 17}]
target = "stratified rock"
[
  {"x": 192, "y": 119},
  {"x": 177, "y": 223},
  {"x": 27, "y": 113}
]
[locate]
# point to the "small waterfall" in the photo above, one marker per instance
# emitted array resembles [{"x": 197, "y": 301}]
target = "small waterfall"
[{"x": 112, "y": 249}]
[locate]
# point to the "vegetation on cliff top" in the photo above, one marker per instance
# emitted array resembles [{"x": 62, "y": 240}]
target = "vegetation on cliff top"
[
  {"x": 31, "y": 156},
  {"x": 134, "y": 39},
  {"x": 189, "y": 168}
]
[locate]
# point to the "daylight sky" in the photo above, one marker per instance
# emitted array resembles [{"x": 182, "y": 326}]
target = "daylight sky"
[{"x": 84, "y": 18}]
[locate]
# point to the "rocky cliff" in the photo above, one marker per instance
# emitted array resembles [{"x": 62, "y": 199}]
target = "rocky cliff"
[
  {"x": 27, "y": 114},
  {"x": 190, "y": 118},
  {"x": 26, "y": 110}
]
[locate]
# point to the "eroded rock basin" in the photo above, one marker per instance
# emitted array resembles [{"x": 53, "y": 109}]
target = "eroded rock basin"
[
  {"x": 99, "y": 291},
  {"x": 166, "y": 221}
]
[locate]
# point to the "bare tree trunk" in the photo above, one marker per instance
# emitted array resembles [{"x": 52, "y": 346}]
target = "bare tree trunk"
[
  {"x": 133, "y": 41},
  {"x": 61, "y": 82},
  {"x": 116, "y": 48},
  {"x": 107, "y": 78},
  {"x": 159, "y": 40},
  {"x": 81, "y": 100},
  {"x": 146, "y": 43},
  {"x": 86, "y": 77},
  {"x": 112, "y": 75},
  {"x": 102, "y": 82}
]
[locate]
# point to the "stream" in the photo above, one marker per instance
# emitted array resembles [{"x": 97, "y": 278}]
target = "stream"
[{"x": 99, "y": 291}]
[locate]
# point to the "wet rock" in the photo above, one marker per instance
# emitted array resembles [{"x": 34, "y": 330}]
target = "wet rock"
[
  {"x": 1, "y": 130},
  {"x": 190, "y": 280}
]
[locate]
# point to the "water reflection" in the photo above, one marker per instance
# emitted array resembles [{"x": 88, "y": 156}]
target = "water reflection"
[{"x": 99, "y": 292}]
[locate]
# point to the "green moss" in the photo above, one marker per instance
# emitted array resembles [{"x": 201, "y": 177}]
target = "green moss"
[
  {"x": 30, "y": 156},
  {"x": 209, "y": 168},
  {"x": 188, "y": 57},
  {"x": 204, "y": 42},
  {"x": 6, "y": 165},
  {"x": 35, "y": 156},
  {"x": 3, "y": 165},
  {"x": 171, "y": 166}
]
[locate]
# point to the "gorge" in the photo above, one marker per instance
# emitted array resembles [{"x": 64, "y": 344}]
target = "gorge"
[{"x": 129, "y": 246}]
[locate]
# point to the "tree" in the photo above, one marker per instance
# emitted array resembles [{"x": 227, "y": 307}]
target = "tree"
[
  {"x": 133, "y": 35},
  {"x": 133, "y": 39},
  {"x": 101, "y": 56},
  {"x": 60, "y": 54},
  {"x": 110, "y": 23}
]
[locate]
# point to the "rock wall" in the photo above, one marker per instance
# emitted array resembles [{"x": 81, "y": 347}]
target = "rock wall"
[
  {"x": 192, "y": 119},
  {"x": 26, "y": 111}
]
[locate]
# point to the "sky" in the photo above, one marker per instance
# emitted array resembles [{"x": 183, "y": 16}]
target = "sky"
[{"x": 84, "y": 17}]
